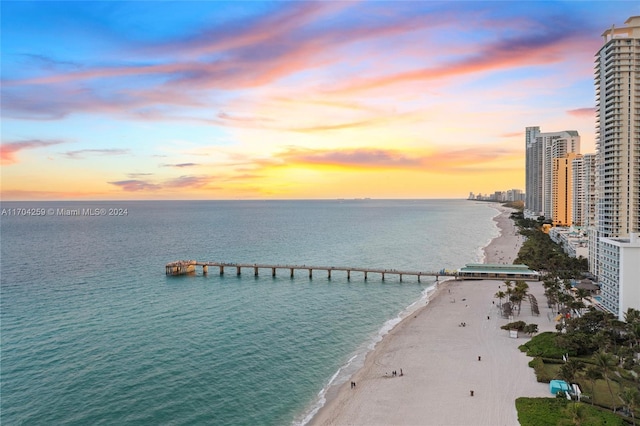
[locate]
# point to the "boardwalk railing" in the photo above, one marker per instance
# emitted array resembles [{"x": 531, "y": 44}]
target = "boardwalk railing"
[{"x": 183, "y": 267}]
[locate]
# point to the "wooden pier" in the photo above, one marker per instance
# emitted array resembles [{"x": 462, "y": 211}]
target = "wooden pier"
[{"x": 183, "y": 267}]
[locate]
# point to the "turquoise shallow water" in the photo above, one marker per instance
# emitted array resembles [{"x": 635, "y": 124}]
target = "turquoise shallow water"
[{"x": 93, "y": 332}]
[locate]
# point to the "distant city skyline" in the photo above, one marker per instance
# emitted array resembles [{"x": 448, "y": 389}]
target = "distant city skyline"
[{"x": 289, "y": 100}]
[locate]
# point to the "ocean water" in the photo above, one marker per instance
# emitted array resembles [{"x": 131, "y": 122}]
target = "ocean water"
[{"x": 93, "y": 332}]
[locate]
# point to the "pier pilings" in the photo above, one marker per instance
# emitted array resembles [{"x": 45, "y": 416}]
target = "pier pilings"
[{"x": 185, "y": 267}]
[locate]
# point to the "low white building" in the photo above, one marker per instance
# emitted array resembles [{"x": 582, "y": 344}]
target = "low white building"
[
  {"x": 573, "y": 240},
  {"x": 619, "y": 277}
]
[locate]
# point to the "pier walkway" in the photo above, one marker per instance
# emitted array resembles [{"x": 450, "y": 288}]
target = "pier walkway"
[{"x": 183, "y": 267}]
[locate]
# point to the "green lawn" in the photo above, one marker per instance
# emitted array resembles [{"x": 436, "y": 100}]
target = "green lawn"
[
  {"x": 556, "y": 411},
  {"x": 602, "y": 394}
]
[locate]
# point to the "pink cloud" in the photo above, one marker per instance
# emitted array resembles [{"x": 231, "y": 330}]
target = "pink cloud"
[
  {"x": 238, "y": 35},
  {"x": 532, "y": 49},
  {"x": 181, "y": 165},
  {"x": 135, "y": 185},
  {"x": 188, "y": 182},
  {"x": 244, "y": 176},
  {"x": 582, "y": 112},
  {"x": 299, "y": 39},
  {"x": 455, "y": 159},
  {"x": 9, "y": 151},
  {"x": 243, "y": 42},
  {"x": 243, "y": 121},
  {"x": 512, "y": 135},
  {"x": 352, "y": 158},
  {"x": 182, "y": 182},
  {"x": 337, "y": 126},
  {"x": 81, "y": 153},
  {"x": 247, "y": 54}
]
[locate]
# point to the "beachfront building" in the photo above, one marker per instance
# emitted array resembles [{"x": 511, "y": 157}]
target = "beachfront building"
[
  {"x": 515, "y": 195},
  {"x": 584, "y": 185},
  {"x": 584, "y": 190},
  {"x": 533, "y": 173},
  {"x": 577, "y": 197},
  {"x": 620, "y": 274},
  {"x": 562, "y": 189},
  {"x": 556, "y": 145},
  {"x": 541, "y": 149},
  {"x": 489, "y": 271},
  {"x": 573, "y": 240},
  {"x": 617, "y": 84},
  {"x": 584, "y": 203}
]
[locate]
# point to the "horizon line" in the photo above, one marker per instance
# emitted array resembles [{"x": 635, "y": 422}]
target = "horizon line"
[{"x": 247, "y": 199}]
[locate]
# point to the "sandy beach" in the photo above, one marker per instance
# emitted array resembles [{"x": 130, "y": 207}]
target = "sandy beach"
[{"x": 438, "y": 362}]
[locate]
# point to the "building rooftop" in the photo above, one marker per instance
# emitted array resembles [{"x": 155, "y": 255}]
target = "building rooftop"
[{"x": 497, "y": 268}]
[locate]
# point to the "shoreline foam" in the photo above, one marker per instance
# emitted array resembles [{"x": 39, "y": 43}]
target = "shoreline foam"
[
  {"x": 438, "y": 358},
  {"x": 332, "y": 388}
]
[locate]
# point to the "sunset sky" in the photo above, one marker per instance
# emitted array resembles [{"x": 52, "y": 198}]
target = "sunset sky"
[{"x": 289, "y": 100}]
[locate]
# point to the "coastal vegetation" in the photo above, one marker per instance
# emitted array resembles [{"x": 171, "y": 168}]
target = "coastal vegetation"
[
  {"x": 529, "y": 329},
  {"x": 556, "y": 411},
  {"x": 514, "y": 294},
  {"x": 543, "y": 255},
  {"x": 590, "y": 348},
  {"x": 599, "y": 353}
]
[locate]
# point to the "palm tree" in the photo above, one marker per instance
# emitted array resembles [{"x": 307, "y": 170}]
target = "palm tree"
[
  {"x": 577, "y": 305},
  {"x": 605, "y": 360},
  {"x": 509, "y": 289},
  {"x": 576, "y": 413},
  {"x": 531, "y": 329},
  {"x": 564, "y": 299},
  {"x": 630, "y": 398},
  {"x": 582, "y": 294},
  {"x": 632, "y": 319},
  {"x": 568, "y": 371},
  {"x": 632, "y": 316},
  {"x": 572, "y": 367},
  {"x": 500, "y": 295},
  {"x": 552, "y": 290},
  {"x": 516, "y": 299},
  {"x": 552, "y": 298},
  {"x": 521, "y": 290},
  {"x": 593, "y": 374},
  {"x": 633, "y": 334}
]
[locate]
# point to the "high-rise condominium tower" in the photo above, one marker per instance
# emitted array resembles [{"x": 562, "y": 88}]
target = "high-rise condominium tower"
[
  {"x": 563, "y": 187},
  {"x": 533, "y": 172},
  {"x": 541, "y": 149},
  {"x": 584, "y": 190},
  {"x": 617, "y": 81},
  {"x": 584, "y": 199}
]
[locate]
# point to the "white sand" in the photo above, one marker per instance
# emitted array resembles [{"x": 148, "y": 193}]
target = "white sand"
[{"x": 439, "y": 359}]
